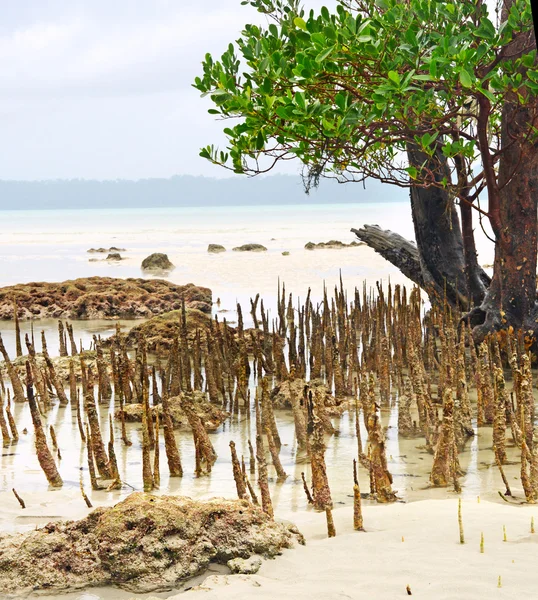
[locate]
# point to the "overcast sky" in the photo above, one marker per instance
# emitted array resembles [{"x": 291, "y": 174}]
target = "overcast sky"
[{"x": 102, "y": 88}]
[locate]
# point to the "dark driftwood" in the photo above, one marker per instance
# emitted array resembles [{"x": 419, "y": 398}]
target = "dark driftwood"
[{"x": 402, "y": 253}]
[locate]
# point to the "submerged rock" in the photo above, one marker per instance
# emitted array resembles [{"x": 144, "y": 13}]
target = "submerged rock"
[
  {"x": 61, "y": 365},
  {"x": 145, "y": 543},
  {"x": 250, "y": 248},
  {"x": 283, "y": 395},
  {"x": 211, "y": 415},
  {"x": 104, "y": 250},
  {"x": 157, "y": 262},
  {"x": 215, "y": 248},
  {"x": 161, "y": 330},
  {"x": 334, "y": 244},
  {"x": 114, "y": 256},
  {"x": 100, "y": 298}
]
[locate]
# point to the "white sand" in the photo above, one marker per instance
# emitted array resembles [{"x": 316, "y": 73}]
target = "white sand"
[
  {"x": 375, "y": 564},
  {"x": 378, "y": 565}
]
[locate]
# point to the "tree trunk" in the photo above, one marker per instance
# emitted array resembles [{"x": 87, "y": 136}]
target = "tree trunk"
[
  {"x": 511, "y": 298},
  {"x": 448, "y": 265},
  {"x": 477, "y": 279},
  {"x": 443, "y": 261}
]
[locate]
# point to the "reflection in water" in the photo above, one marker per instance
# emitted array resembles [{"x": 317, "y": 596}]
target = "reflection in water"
[{"x": 408, "y": 461}]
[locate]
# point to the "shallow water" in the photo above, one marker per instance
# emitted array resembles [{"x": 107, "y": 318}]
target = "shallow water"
[
  {"x": 409, "y": 463},
  {"x": 83, "y": 332},
  {"x": 52, "y": 245}
]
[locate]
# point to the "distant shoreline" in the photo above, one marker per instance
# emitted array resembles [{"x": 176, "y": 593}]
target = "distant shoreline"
[
  {"x": 186, "y": 191},
  {"x": 194, "y": 206}
]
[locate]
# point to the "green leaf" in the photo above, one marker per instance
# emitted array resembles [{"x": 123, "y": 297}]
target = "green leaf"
[
  {"x": 300, "y": 23},
  {"x": 491, "y": 97},
  {"x": 465, "y": 79},
  {"x": 394, "y": 77},
  {"x": 324, "y": 54},
  {"x": 486, "y": 29},
  {"x": 260, "y": 141},
  {"x": 413, "y": 173},
  {"x": 300, "y": 100}
]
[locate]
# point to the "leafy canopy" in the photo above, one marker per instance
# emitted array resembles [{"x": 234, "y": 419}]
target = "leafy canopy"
[{"x": 348, "y": 92}]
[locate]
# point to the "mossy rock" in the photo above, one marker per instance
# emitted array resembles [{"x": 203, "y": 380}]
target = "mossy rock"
[
  {"x": 100, "y": 298},
  {"x": 157, "y": 262},
  {"x": 144, "y": 543},
  {"x": 282, "y": 394},
  {"x": 215, "y": 249},
  {"x": 250, "y": 248},
  {"x": 332, "y": 244},
  {"x": 211, "y": 415},
  {"x": 160, "y": 331}
]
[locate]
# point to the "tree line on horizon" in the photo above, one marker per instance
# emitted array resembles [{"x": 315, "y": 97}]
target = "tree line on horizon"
[{"x": 182, "y": 190}]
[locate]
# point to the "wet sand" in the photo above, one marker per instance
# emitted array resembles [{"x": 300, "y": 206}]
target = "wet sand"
[{"x": 348, "y": 566}]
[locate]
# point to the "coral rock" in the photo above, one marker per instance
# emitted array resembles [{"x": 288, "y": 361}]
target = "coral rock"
[
  {"x": 250, "y": 248},
  {"x": 157, "y": 262},
  {"x": 100, "y": 298},
  {"x": 145, "y": 543},
  {"x": 245, "y": 566},
  {"x": 215, "y": 248}
]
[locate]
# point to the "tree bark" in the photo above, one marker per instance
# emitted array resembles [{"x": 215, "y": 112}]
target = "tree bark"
[
  {"x": 402, "y": 253},
  {"x": 443, "y": 261},
  {"x": 448, "y": 259},
  {"x": 511, "y": 297}
]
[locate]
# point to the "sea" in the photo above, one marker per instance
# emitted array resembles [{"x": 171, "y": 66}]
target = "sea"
[{"x": 52, "y": 245}]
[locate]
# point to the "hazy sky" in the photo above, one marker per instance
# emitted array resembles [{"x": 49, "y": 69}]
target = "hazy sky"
[{"x": 102, "y": 88}]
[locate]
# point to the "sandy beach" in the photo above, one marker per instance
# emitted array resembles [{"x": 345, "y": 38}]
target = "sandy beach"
[
  {"x": 415, "y": 545},
  {"x": 376, "y": 563}
]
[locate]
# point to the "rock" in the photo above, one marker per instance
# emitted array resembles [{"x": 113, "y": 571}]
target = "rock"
[
  {"x": 250, "y": 248},
  {"x": 161, "y": 330},
  {"x": 201, "y": 306},
  {"x": 245, "y": 566},
  {"x": 104, "y": 250},
  {"x": 144, "y": 543},
  {"x": 332, "y": 244},
  {"x": 212, "y": 415},
  {"x": 281, "y": 395},
  {"x": 61, "y": 365},
  {"x": 286, "y": 253},
  {"x": 100, "y": 298},
  {"x": 114, "y": 256},
  {"x": 157, "y": 262},
  {"x": 215, "y": 248}
]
